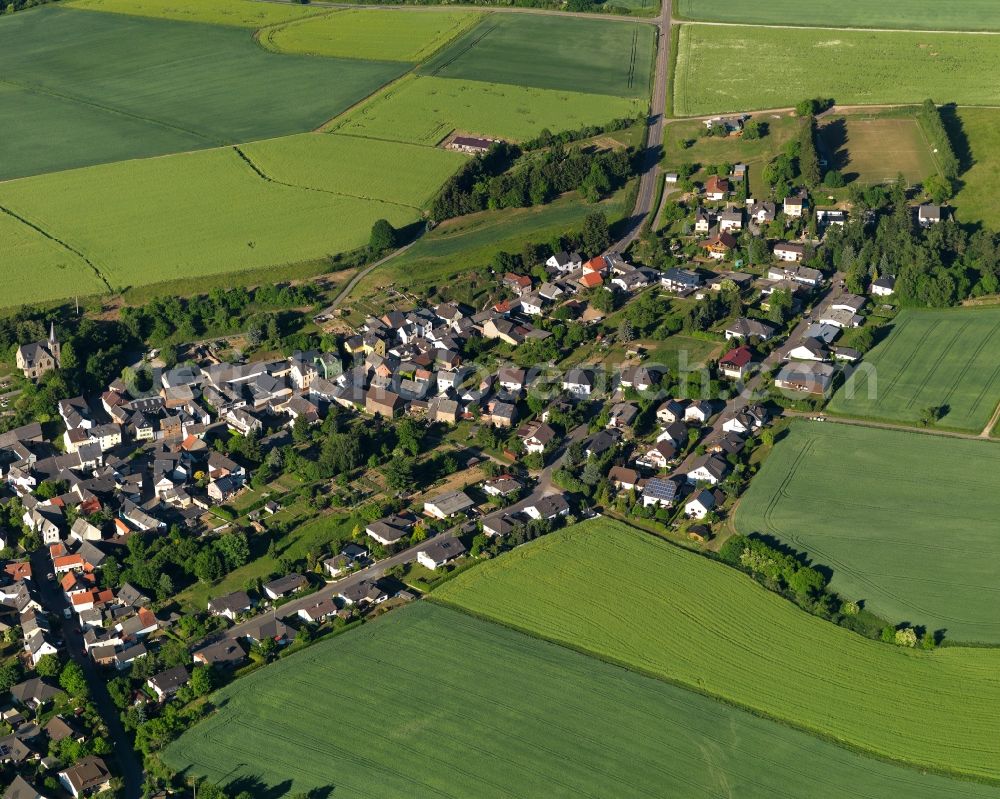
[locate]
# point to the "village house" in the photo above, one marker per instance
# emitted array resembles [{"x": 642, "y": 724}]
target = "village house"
[
  {"x": 661, "y": 492},
  {"x": 746, "y": 329},
  {"x": 731, "y": 219},
  {"x": 622, "y": 478},
  {"x": 579, "y": 382},
  {"x": 680, "y": 281},
  {"x": 707, "y": 469},
  {"x": 719, "y": 245},
  {"x": 89, "y": 775},
  {"x": 670, "y": 411},
  {"x": 659, "y": 456},
  {"x": 440, "y": 551},
  {"x": 565, "y": 261},
  {"x": 928, "y": 215},
  {"x": 805, "y": 377},
  {"x": 747, "y": 420},
  {"x": 788, "y": 251},
  {"x": 716, "y": 188},
  {"x": 884, "y": 286},
  {"x": 502, "y": 486},
  {"x": 536, "y": 437},
  {"x": 285, "y": 586},
  {"x": 796, "y": 203},
  {"x": 169, "y": 682},
  {"x": 226, "y": 654},
  {"x": 447, "y": 505},
  {"x": 701, "y": 504},
  {"x": 703, "y": 219},
  {"x": 230, "y": 605},
  {"x": 736, "y": 363},
  {"x": 548, "y": 508}
]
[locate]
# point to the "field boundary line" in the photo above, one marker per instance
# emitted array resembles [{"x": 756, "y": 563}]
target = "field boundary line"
[
  {"x": 264, "y": 176},
  {"x": 649, "y": 673},
  {"x": 60, "y": 242}
]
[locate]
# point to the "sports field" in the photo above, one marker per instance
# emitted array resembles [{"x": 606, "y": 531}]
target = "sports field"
[
  {"x": 778, "y": 67},
  {"x": 429, "y": 702},
  {"x": 932, "y": 358},
  {"x": 399, "y": 35},
  {"x": 214, "y": 213},
  {"x": 107, "y": 87},
  {"x": 239, "y": 13},
  {"x": 907, "y": 522},
  {"x": 608, "y": 589},
  {"x": 552, "y": 52},
  {"x": 424, "y": 110},
  {"x": 876, "y": 149},
  {"x": 970, "y": 15}
]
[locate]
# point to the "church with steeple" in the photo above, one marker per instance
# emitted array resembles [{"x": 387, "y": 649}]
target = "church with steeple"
[{"x": 39, "y": 357}]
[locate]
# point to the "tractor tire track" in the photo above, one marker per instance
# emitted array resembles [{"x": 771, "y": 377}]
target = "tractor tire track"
[
  {"x": 264, "y": 176},
  {"x": 70, "y": 248}
]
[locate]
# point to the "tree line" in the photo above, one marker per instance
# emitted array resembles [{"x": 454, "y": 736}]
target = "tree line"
[{"x": 493, "y": 180}]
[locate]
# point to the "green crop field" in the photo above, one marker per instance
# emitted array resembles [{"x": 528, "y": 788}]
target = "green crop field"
[
  {"x": 239, "y": 13},
  {"x": 429, "y": 702},
  {"x": 972, "y": 15},
  {"x": 108, "y": 87},
  {"x": 978, "y": 130},
  {"x": 608, "y": 589},
  {"x": 404, "y": 35},
  {"x": 907, "y": 522},
  {"x": 39, "y": 269},
  {"x": 877, "y": 149},
  {"x": 931, "y": 358},
  {"x": 778, "y": 67},
  {"x": 425, "y": 110},
  {"x": 209, "y": 212},
  {"x": 406, "y": 174},
  {"x": 552, "y": 52}
]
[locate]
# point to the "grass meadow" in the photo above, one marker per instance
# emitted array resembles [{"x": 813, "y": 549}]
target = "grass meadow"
[
  {"x": 107, "y": 87},
  {"x": 969, "y": 15},
  {"x": 877, "y": 149},
  {"x": 430, "y": 702},
  {"x": 978, "y": 131},
  {"x": 604, "y": 588},
  {"x": 580, "y": 55},
  {"x": 424, "y": 110},
  {"x": 782, "y": 128},
  {"x": 931, "y": 358},
  {"x": 723, "y": 68},
  {"x": 403, "y": 35},
  {"x": 907, "y": 522},
  {"x": 215, "y": 214},
  {"x": 447, "y": 254}
]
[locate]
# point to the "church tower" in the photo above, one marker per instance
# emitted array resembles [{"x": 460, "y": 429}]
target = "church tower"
[{"x": 54, "y": 345}]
